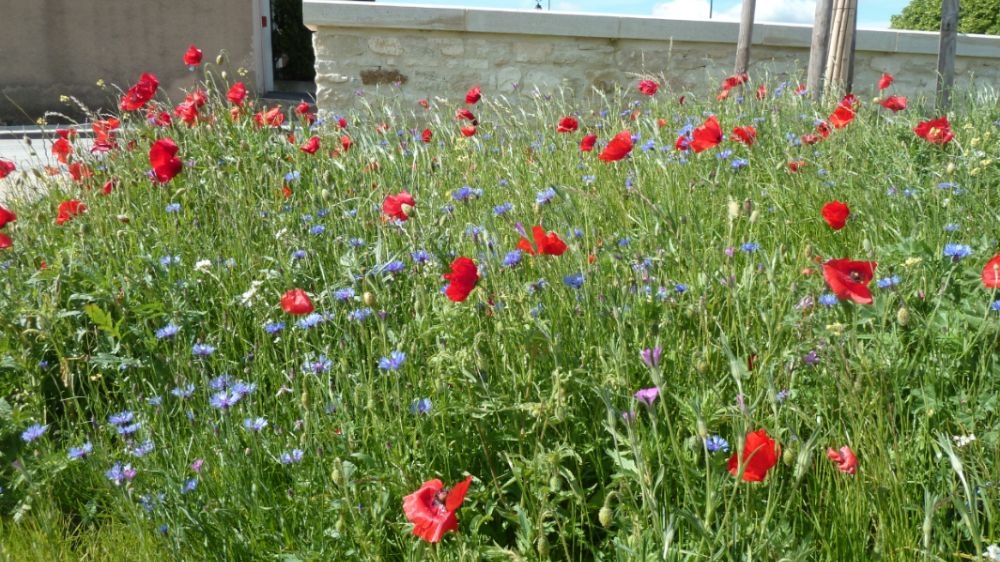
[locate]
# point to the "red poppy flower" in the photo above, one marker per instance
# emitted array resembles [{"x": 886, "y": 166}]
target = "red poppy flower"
[
  {"x": 835, "y": 214},
  {"x": 108, "y": 187},
  {"x": 68, "y": 210},
  {"x": 722, "y": 95},
  {"x": 745, "y": 135},
  {"x": 661, "y": 123},
  {"x": 809, "y": 138},
  {"x": 163, "y": 158},
  {"x": 731, "y": 82},
  {"x": 79, "y": 171},
  {"x": 895, "y": 103},
  {"x": 801, "y": 89},
  {"x": 567, "y": 125},
  {"x": 346, "y": 142},
  {"x": 398, "y": 205},
  {"x": 187, "y": 112},
  {"x": 137, "y": 96},
  {"x": 237, "y": 93},
  {"x": 473, "y": 96},
  {"x": 759, "y": 456},
  {"x": 426, "y": 136},
  {"x": 342, "y": 123},
  {"x": 193, "y": 56},
  {"x": 311, "y": 146},
  {"x": 6, "y": 217},
  {"x": 618, "y": 148},
  {"x": 432, "y": 508},
  {"x": 466, "y": 115},
  {"x": 849, "y": 279},
  {"x": 844, "y": 113},
  {"x": 681, "y": 99},
  {"x": 5, "y": 242},
  {"x": 796, "y": 165},
  {"x": 823, "y": 129},
  {"x": 587, "y": 144},
  {"x": 844, "y": 458},
  {"x": 937, "y": 131},
  {"x": 62, "y": 149},
  {"x": 648, "y": 87},
  {"x": 103, "y": 130},
  {"x": 991, "y": 271},
  {"x": 706, "y": 136},
  {"x": 468, "y": 131},
  {"x": 885, "y": 81},
  {"x": 424, "y": 104},
  {"x": 682, "y": 142},
  {"x": 296, "y": 302},
  {"x": 302, "y": 108},
  {"x": 462, "y": 279},
  {"x": 273, "y": 117},
  {"x": 761, "y": 92},
  {"x": 286, "y": 191},
  {"x": 548, "y": 245}
]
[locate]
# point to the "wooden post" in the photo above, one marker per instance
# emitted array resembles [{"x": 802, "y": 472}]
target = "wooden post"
[
  {"x": 840, "y": 67},
  {"x": 746, "y": 35},
  {"x": 818, "y": 48},
  {"x": 946, "y": 52}
]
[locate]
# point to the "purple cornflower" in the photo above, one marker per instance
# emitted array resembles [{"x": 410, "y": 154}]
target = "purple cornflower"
[
  {"x": 574, "y": 280},
  {"x": 957, "y": 251},
  {"x": 183, "y": 391},
  {"x": 651, "y": 357},
  {"x": 255, "y": 424},
  {"x": 811, "y": 358},
  {"x": 393, "y": 362},
  {"x": 318, "y": 366},
  {"x": 421, "y": 406},
  {"x": 545, "y": 196},
  {"x": 647, "y": 395},
  {"x": 197, "y": 464},
  {"x": 714, "y": 444},
  {"x": 121, "y": 418},
  {"x": 828, "y": 299},
  {"x": 143, "y": 449},
  {"x": 512, "y": 258},
  {"x": 202, "y": 350},
  {"x": 224, "y": 400},
  {"x": 168, "y": 331},
  {"x": 292, "y": 457},
  {"x": 629, "y": 416},
  {"x": 120, "y": 474},
  {"x": 274, "y": 327}
]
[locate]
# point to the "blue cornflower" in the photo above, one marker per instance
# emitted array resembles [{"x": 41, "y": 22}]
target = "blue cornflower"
[
  {"x": 393, "y": 362},
  {"x": 255, "y": 424},
  {"x": 120, "y": 474},
  {"x": 829, "y": 299},
  {"x": 189, "y": 486},
  {"x": 292, "y": 457},
  {"x": 420, "y": 256},
  {"x": 318, "y": 229},
  {"x": 167, "y": 261},
  {"x": 293, "y": 175},
  {"x": 957, "y": 251},
  {"x": 143, "y": 449},
  {"x": 241, "y": 388},
  {"x": 168, "y": 331},
  {"x": 574, "y": 280},
  {"x": 537, "y": 286},
  {"x": 448, "y": 209},
  {"x": 545, "y": 196},
  {"x": 395, "y": 266},
  {"x": 360, "y": 314},
  {"x": 648, "y": 145},
  {"x": 589, "y": 179},
  {"x": 173, "y": 208},
  {"x": 536, "y": 310},
  {"x": 274, "y": 327},
  {"x": 344, "y": 294},
  {"x": 715, "y": 443},
  {"x": 950, "y": 227},
  {"x": 154, "y": 400},
  {"x": 465, "y": 193},
  {"x": 995, "y": 305},
  {"x": 202, "y": 350},
  {"x": 76, "y": 453},
  {"x": 121, "y": 418},
  {"x": 502, "y": 209},
  {"x": 680, "y": 288},
  {"x": 888, "y": 282},
  {"x": 750, "y": 247},
  {"x": 183, "y": 391},
  {"x": 310, "y": 321},
  {"x": 220, "y": 382},
  {"x": 129, "y": 430},
  {"x": 512, "y": 258},
  {"x": 473, "y": 231},
  {"x": 421, "y": 406},
  {"x": 782, "y": 395},
  {"x": 724, "y": 155},
  {"x": 356, "y": 242},
  {"x": 224, "y": 400},
  {"x": 307, "y": 218},
  {"x": 318, "y": 366},
  {"x": 298, "y": 254}
]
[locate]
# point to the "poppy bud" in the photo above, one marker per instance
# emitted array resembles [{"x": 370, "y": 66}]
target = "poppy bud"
[
  {"x": 325, "y": 194},
  {"x": 543, "y": 547},
  {"x": 407, "y": 209},
  {"x": 734, "y": 210},
  {"x": 903, "y": 316},
  {"x": 336, "y": 475},
  {"x": 702, "y": 429},
  {"x": 788, "y": 457},
  {"x": 754, "y": 216},
  {"x": 219, "y": 59},
  {"x": 867, "y": 245},
  {"x": 802, "y": 463},
  {"x": 950, "y": 168},
  {"x": 605, "y": 516},
  {"x": 224, "y": 73},
  {"x": 368, "y": 298}
]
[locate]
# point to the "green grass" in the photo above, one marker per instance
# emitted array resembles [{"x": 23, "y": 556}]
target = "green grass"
[{"x": 528, "y": 386}]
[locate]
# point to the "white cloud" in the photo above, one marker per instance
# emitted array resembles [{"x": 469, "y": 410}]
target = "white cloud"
[{"x": 777, "y": 11}]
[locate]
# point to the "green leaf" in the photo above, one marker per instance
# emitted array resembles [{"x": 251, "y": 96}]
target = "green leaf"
[{"x": 102, "y": 320}]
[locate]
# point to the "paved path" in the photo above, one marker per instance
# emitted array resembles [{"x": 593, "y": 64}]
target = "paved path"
[{"x": 30, "y": 157}]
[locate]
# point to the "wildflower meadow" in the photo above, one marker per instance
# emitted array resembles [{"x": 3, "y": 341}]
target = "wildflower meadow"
[{"x": 648, "y": 324}]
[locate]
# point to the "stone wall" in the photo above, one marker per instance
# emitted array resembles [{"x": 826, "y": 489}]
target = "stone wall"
[
  {"x": 426, "y": 51},
  {"x": 50, "y": 48}
]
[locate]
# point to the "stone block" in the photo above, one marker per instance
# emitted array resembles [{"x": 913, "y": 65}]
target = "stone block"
[{"x": 385, "y": 45}]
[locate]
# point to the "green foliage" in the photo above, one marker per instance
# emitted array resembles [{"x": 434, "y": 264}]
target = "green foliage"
[
  {"x": 979, "y": 16},
  {"x": 530, "y": 385}
]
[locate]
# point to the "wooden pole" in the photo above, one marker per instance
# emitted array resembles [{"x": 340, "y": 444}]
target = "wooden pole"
[
  {"x": 840, "y": 67},
  {"x": 818, "y": 48},
  {"x": 946, "y": 52},
  {"x": 746, "y": 35}
]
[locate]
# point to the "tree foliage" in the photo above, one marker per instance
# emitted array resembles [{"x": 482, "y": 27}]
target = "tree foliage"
[{"x": 978, "y": 16}]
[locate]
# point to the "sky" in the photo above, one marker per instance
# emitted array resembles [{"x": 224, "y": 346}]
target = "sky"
[{"x": 872, "y": 14}]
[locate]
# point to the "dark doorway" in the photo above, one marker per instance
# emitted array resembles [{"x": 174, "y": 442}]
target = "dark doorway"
[{"x": 292, "y": 58}]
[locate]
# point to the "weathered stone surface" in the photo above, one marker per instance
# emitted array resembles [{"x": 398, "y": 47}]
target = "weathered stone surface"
[{"x": 444, "y": 51}]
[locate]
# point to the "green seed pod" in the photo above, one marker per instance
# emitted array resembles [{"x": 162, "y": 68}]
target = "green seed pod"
[
  {"x": 606, "y": 517},
  {"x": 802, "y": 463},
  {"x": 542, "y": 544},
  {"x": 903, "y": 316},
  {"x": 368, "y": 298},
  {"x": 702, "y": 429}
]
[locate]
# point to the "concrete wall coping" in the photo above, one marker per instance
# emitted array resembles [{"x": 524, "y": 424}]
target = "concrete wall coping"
[{"x": 335, "y": 13}]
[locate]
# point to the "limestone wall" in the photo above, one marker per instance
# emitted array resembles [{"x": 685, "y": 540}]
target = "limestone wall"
[{"x": 427, "y": 51}]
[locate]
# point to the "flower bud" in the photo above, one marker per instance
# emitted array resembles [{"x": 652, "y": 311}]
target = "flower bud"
[
  {"x": 542, "y": 544},
  {"x": 802, "y": 463},
  {"x": 605, "y": 516},
  {"x": 325, "y": 194},
  {"x": 219, "y": 59},
  {"x": 754, "y": 216},
  {"x": 337, "y": 475},
  {"x": 702, "y": 429},
  {"x": 368, "y": 298},
  {"x": 555, "y": 483},
  {"x": 224, "y": 74},
  {"x": 734, "y": 209},
  {"x": 903, "y": 316},
  {"x": 950, "y": 168},
  {"x": 407, "y": 209}
]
